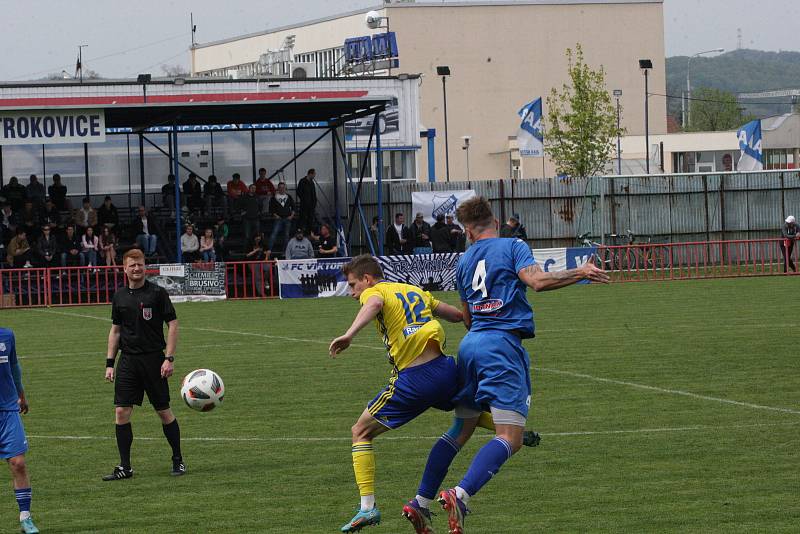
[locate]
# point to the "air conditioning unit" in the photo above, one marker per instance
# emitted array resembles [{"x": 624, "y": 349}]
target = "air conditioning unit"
[{"x": 302, "y": 70}]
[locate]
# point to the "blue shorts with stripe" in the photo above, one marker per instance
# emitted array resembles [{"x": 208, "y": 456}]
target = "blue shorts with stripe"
[
  {"x": 415, "y": 389},
  {"x": 494, "y": 371},
  {"x": 12, "y": 435}
]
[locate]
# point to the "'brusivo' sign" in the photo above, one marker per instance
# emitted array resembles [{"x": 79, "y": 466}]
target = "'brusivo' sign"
[{"x": 37, "y": 127}]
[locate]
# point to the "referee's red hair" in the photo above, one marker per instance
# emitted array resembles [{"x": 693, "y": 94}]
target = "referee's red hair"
[{"x": 134, "y": 253}]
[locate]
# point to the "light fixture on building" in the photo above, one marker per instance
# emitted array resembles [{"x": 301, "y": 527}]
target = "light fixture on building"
[
  {"x": 444, "y": 72},
  {"x": 646, "y": 65}
]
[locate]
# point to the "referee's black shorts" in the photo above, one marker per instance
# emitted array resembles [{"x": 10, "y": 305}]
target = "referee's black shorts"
[{"x": 137, "y": 374}]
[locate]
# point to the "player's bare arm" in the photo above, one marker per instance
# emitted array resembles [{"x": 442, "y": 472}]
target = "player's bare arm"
[
  {"x": 365, "y": 315},
  {"x": 168, "y": 367},
  {"x": 534, "y": 277},
  {"x": 111, "y": 353},
  {"x": 467, "y": 315},
  {"x": 448, "y": 313}
]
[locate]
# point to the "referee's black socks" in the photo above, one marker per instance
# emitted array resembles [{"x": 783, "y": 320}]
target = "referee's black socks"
[
  {"x": 173, "y": 434},
  {"x": 124, "y": 442}
]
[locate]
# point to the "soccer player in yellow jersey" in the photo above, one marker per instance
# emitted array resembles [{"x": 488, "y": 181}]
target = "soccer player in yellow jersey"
[{"x": 422, "y": 376}]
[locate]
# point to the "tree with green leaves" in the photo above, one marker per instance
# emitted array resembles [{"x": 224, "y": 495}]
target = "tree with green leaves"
[
  {"x": 581, "y": 121},
  {"x": 713, "y": 110}
]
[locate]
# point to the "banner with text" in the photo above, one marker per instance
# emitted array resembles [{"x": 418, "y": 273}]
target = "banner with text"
[
  {"x": 44, "y": 127},
  {"x": 431, "y": 272},
  {"x": 433, "y": 203},
  {"x": 312, "y": 278},
  {"x": 196, "y": 282},
  {"x": 560, "y": 259}
]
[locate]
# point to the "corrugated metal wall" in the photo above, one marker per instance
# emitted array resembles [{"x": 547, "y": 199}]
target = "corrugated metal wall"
[{"x": 667, "y": 208}]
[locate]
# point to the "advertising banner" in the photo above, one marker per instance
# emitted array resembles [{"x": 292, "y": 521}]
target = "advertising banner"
[
  {"x": 433, "y": 203},
  {"x": 196, "y": 282},
  {"x": 431, "y": 272},
  {"x": 44, "y": 127},
  {"x": 312, "y": 278}
]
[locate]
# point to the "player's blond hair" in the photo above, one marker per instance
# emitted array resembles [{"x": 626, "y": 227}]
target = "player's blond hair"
[
  {"x": 363, "y": 264},
  {"x": 475, "y": 213}
]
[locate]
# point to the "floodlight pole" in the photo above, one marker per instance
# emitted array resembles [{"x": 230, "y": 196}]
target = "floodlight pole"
[
  {"x": 80, "y": 60},
  {"x": 646, "y": 122},
  {"x": 446, "y": 144},
  {"x": 379, "y": 183},
  {"x": 617, "y": 94},
  {"x": 175, "y": 170}
]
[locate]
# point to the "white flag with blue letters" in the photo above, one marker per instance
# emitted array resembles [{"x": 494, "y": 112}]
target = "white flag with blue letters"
[
  {"x": 529, "y": 138},
  {"x": 750, "y": 147}
]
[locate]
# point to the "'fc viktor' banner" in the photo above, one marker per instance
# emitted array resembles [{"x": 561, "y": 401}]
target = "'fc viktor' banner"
[
  {"x": 196, "y": 282},
  {"x": 312, "y": 278},
  {"x": 561, "y": 259},
  {"x": 750, "y": 147},
  {"x": 433, "y": 203},
  {"x": 431, "y": 272},
  {"x": 529, "y": 137},
  {"x": 44, "y": 127}
]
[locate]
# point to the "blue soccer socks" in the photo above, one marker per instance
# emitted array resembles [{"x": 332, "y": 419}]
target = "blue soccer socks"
[
  {"x": 23, "y": 496},
  {"x": 485, "y": 465},
  {"x": 439, "y": 460}
]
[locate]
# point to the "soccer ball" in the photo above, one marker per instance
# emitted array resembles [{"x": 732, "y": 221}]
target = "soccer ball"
[{"x": 202, "y": 390}]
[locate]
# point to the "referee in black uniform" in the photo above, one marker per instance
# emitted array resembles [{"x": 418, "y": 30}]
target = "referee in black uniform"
[{"x": 138, "y": 313}]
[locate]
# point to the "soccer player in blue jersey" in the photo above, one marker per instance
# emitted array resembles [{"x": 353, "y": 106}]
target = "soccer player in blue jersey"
[
  {"x": 13, "y": 444},
  {"x": 492, "y": 278}
]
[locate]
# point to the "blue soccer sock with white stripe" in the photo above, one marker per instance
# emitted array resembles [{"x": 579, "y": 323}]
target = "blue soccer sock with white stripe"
[
  {"x": 439, "y": 460},
  {"x": 23, "y": 496},
  {"x": 485, "y": 465}
]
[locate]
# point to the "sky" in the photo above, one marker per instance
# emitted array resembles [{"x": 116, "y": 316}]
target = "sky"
[{"x": 123, "y": 39}]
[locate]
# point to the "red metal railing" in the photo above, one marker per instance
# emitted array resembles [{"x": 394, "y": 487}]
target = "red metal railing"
[
  {"x": 251, "y": 279},
  {"x": 703, "y": 259}
]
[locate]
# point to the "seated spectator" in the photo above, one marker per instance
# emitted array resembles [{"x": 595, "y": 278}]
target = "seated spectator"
[
  {"x": 70, "y": 248},
  {"x": 144, "y": 228},
  {"x": 108, "y": 245},
  {"x": 299, "y": 248},
  {"x": 85, "y": 216},
  {"x": 58, "y": 193},
  {"x": 513, "y": 228},
  {"x": 50, "y": 214},
  {"x": 281, "y": 206},
  {"x": 8, "y": 223},
  {"x": 207, "y": 245},
  {"x": 251, "y": 213},
  {"x": 236, "y": 190},
  {"x": 47, "y": 248},
  {"x": 29, "y": 218},
  {"x": 327, "y": 243},
  {"x": 213, "y": 194},
  {"x": 90, "y": 244},
  {"x": 190, "y": 245},
  {"x": 257, "y": 252},
  {"x": 36, "y": 192},
  {"x": 421, "y": 235},
  {"x": 14, "y": 193},
  {"x": 19, "y": 250},
  {"x": 168, "y": 194},
  {"x": 264, "y": 189},
  {"x": 193, "y": 192},
  {"x": 440, "y": 236},
  {"x": 221, "y": 231},
  {"x": 107, "y": 214}
]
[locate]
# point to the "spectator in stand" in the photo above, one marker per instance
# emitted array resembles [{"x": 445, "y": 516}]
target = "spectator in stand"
[
  {"x": 264, "y": 189},
  {"x": 51, "y": 215},
  {"x": 90, "y": 244},
  {"x": 193, "y": 192},
  {"x": 207, "y": 246},
  {"x": 251, "y": 217},
  {"x": 458, "y": 240},
  {"x": 421, "y": 235},
  {"x": 168, "y": 194},
  {"x": 221, "y": 231},
  {"x": 58, "y": 193},
  {"x": 213, "y": 194},
  {"x": 47, "y": 248},
  {"x": 440, "y": 236},
  {"x": 108, "y": 245},
  {"x": 513, "y": 228},
  {"x": 14, "y": 193},
  {"x": 299, "y": 248},
  {"x": 398, "y": 237},
  {"x": 71, "y": 248},
  {"x": 374, "y": 231},
  {"x": 257, "y": 254},
  {"x": 282, "y": 208},
  {"x": 29, "y": 218},
  {"x": 236, "y": 190},
  {"x": 8, "y": 223},
  {"x": 107, "y": 214},
  {"x": 144, "y": 227},
  {"x": 190, "y": 245},
  {"x": 19, "y": 250},
  {"x": 327, "y": 243},
  {"x": 85, "y": 216},
  {"x": 36, "y": 192},
  {"x": 790, "y": 235},
  {"x": 307, "y": 197}
]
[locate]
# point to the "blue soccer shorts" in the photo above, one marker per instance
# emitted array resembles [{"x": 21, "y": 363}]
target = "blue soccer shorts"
[
  {"x": 12, "y": 435},
  {"x": 494, "y": 371},
  {"x": 415, "y": 389}
]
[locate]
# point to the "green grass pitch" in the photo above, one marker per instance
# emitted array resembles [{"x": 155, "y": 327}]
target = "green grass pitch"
[{"x": 663, "y": 407}]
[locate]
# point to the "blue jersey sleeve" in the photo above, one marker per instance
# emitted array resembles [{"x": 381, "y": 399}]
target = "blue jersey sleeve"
[
  {"x": 16, "y": 370},
  {"x": 522, "y": 255},
  {"x": 459, "y": 286}
]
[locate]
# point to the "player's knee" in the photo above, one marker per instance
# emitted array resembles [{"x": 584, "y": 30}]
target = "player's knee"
[
  {"x": 17, "y": 465},
  {"x": 122, "y": 414},
  {"x": 166, "y": 416},
  {"x": 360, "y": 432}
]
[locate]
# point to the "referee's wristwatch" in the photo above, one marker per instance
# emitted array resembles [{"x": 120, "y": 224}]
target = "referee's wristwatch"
[{"x": 169, "y": 358}]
